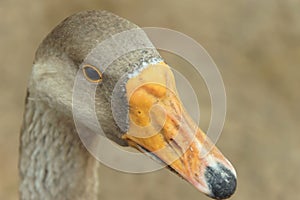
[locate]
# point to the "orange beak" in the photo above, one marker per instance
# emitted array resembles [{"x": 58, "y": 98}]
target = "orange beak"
[{"x": 160, "y": 125}]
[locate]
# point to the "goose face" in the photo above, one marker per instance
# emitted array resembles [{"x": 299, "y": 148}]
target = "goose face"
[{"x": 144, "y": 112}]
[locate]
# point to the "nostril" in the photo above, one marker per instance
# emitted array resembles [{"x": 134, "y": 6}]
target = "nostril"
[{"x": 221, "y": 181}]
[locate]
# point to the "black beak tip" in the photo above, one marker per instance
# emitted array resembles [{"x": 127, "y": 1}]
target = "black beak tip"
[{"x": 221, "y": 181}]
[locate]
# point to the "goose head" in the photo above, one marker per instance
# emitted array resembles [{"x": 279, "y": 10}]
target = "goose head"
[{"x": 135, "y": 98}]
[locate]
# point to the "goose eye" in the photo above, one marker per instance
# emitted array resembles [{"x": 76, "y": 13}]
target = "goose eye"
[{"x": 92, "y": 74}]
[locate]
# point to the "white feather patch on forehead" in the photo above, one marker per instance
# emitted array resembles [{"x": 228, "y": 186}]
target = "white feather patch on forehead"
[{"x": 143, "y": 65}]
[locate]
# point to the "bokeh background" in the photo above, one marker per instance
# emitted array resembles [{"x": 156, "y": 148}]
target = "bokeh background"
[{"x": 256, "y": 45}]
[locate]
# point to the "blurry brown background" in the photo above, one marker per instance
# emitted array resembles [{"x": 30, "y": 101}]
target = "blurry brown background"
[{"x": 256, "y": 45}]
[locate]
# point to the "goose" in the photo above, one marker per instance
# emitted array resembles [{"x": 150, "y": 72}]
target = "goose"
[{"x": 54, "y": 163}]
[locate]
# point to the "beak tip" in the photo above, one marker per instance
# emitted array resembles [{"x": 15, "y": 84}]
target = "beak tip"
[{"x": 221, "y": 181}]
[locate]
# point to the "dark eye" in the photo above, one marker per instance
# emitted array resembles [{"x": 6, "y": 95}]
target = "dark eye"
[{"x": 92, "y": 74}]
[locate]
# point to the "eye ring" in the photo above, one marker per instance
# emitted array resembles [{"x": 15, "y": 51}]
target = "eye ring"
[{"x": 92, "y": 73}]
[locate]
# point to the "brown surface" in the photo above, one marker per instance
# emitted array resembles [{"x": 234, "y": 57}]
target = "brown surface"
[{"x": 256, "y": 45}]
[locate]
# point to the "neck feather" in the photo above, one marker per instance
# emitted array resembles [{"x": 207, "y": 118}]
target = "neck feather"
[{"x": 53, "y": 162}]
